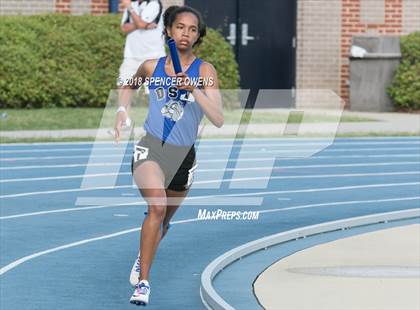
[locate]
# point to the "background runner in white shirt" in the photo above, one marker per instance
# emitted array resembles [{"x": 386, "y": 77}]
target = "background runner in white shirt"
[{"x": 143, "y": 25}]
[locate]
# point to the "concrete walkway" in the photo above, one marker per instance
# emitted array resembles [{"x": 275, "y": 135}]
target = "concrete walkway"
[
  {"x": 384, "y": 124},
  {"x": 378, "y": 270}
]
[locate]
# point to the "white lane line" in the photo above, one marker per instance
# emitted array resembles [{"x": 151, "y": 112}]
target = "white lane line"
[
  {"x": 20, "y": 261},
  {"x": 24, "y": 259},
  {"x": 293, "y": 151},
  {"x": 246, "y": 145},
  {"x": 342, "y": 203},
  {"x": 308, "y": 190},
  {"x": 69, "y": 190},
  {"x": 340, "y": 188},
  {"x": 199, "y": 171},
  {"x": 395, "y": 163},
  {"x": 210, "y": 141},
  {"x": 8, "y": 217},
  {"x": 219, "y": 160},
  {"x": 67, "y": 177},
  {"x": 63, "y": 166},
  {"x": 315, "y": 176}
]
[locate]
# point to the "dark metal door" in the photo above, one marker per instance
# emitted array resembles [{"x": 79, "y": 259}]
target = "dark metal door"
[
  {"x": 218, "y": 14},
  {"x": 263, "y": 35}
]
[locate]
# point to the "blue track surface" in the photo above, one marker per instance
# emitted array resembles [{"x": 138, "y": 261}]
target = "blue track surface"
[{"x": 87, "y": 262}]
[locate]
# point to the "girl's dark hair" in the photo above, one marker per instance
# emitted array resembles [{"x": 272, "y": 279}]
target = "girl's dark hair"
[{"x": 173, "y": 11}]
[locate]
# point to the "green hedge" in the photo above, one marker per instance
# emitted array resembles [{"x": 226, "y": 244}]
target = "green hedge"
[
  {"x": 405, "y": 88},
  {"x": 73, "y": 61}
]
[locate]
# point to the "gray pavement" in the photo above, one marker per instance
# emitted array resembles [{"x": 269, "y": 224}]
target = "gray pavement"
[{"x": 377, "y": 270}]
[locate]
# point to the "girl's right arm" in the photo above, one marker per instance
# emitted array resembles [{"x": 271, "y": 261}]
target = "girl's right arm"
[{"x": 126, "y": 94}]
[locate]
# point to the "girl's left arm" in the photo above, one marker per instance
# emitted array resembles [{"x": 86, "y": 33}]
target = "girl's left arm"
[{"x": 208, "y": 98}]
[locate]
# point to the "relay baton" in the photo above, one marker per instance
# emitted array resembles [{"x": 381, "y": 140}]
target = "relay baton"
[
  {"x": 174, "y": 56},
  {"x": 177, "y": 64}
]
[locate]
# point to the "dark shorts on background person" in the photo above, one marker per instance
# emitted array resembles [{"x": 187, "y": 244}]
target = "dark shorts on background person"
[{"x": 177, "y": 162}]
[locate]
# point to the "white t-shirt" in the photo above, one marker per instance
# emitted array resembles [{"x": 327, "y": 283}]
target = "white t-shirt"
[{"x": 141, "y": 43}]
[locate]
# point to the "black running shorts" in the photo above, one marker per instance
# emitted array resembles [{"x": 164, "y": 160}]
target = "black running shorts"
[{"x": 177, "y": 162}]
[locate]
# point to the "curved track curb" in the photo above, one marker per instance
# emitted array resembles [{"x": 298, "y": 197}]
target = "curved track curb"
[{"x": 212, "y": 300}]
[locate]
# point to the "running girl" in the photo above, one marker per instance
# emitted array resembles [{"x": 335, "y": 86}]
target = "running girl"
[{"x": 164, "y": 159}]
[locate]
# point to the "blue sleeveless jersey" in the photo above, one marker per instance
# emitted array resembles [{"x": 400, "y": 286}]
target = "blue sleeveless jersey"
[{"x": 173, "y": 117}]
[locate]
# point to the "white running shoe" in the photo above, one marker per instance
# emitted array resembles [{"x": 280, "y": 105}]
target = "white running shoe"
[
  {"x": 141, "y": 294},
  {"x": 135, "y": 272}
]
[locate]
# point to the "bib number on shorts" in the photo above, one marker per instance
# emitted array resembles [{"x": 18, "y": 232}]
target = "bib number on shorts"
[{"x": 140, "y": 153}]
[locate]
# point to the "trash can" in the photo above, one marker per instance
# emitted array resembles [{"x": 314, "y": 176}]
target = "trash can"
[{"x": 373, "y": 62}]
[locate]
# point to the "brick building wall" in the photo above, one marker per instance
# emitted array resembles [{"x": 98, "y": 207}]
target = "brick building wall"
[
  {"x": 25, "y": 7},
  {"x": 318, "y": 45},
  {"x": 324, "y": 30},
  {"x": 75, "y": 7},
  {"x": 411, "y": 16}
]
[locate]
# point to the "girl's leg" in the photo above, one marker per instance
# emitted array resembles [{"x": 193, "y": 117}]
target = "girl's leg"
[
  {"x": 174, "y": 200},
  {"x": 150, "y": 180}
]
